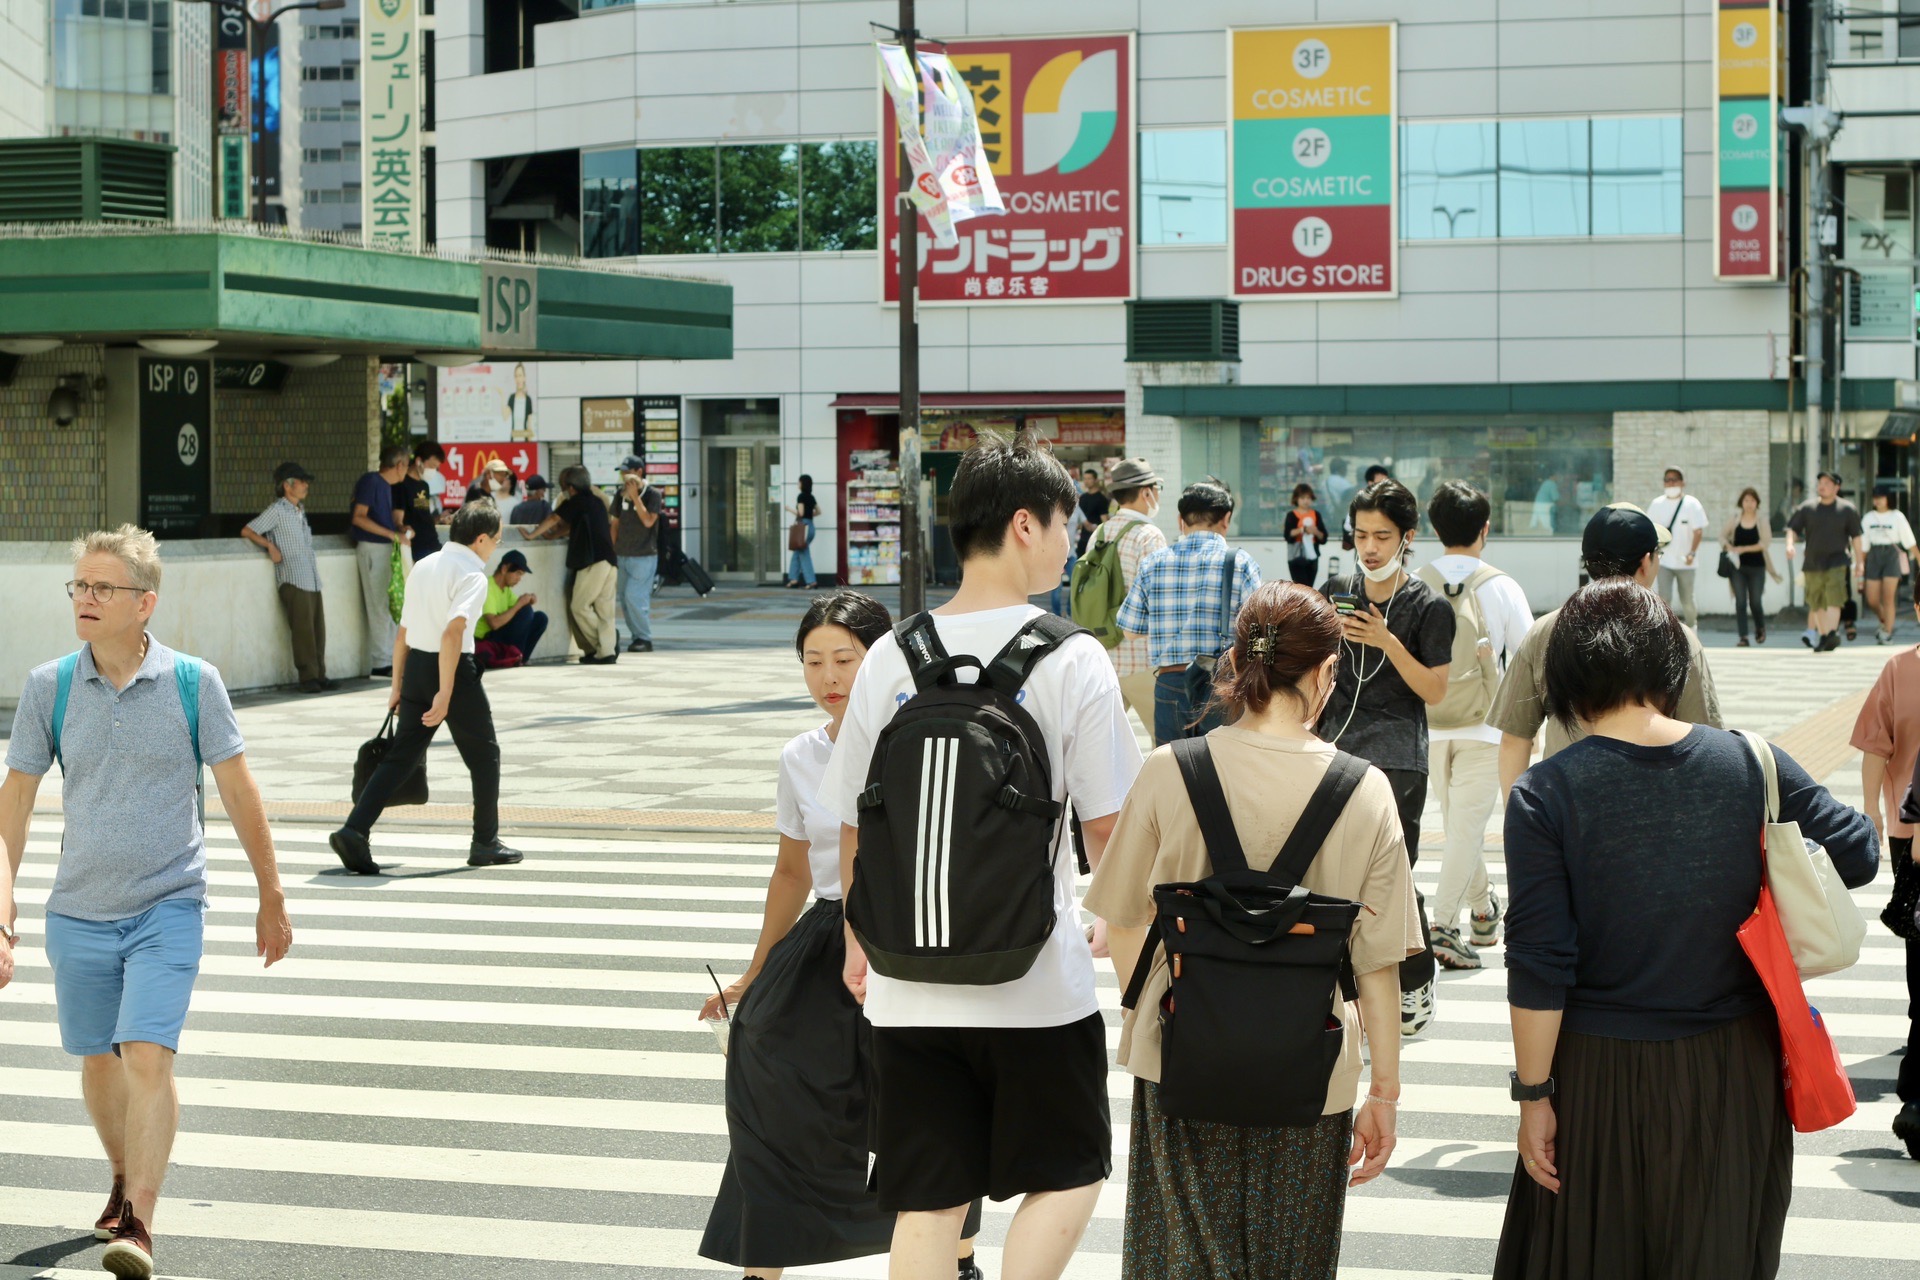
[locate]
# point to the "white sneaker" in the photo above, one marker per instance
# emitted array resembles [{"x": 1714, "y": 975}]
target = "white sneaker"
[
  {"x": 1416, "y": 1010},
  {"x": 1451, "y": 950}
]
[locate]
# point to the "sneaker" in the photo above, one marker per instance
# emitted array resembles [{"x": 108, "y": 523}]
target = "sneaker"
[
  {"x": 1906, "y": 1127},
  {"x": 640, "y": 646},
  {"x": 380, "y": 673},
  {"x": 1451, "y": 950},
  {"x": 110, "y": 1216},
  {"x": 1416, "y": 1010},
  {"x": 1882, "y": 636},
  {"x": 130, "y": 1252},
  {"x": 1828, "y": 643},
  {"x": 970, "y": 1269},
  {"x": 1810, "y": 638},
  {"x": 1486, "y": 928},
  {"x": 1741, "y": 643},
  {"x": 492, "y": 855},
  {"x": 354, "y": 850}
]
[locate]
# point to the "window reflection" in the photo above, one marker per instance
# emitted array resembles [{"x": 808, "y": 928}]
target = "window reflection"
[
  {"x": 1183, "y": 186},
  {"x": 1448, "y": 190},
  {"x": 1637, "y": 185},
  {"x": 610, "y": 204},
  {"x": 677, "y": 200},
  {"x": 760, "y": 198},
  {"x": 1545, "y": 183},
  {"x": 837, "y": 208}
]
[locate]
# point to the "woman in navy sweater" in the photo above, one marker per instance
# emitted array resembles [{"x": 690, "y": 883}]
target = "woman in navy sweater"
[{"x": 1654, "y": 1139}]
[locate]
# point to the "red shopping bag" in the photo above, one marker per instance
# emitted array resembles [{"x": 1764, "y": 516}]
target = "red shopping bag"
[{"x": 1819, "y": 1095}]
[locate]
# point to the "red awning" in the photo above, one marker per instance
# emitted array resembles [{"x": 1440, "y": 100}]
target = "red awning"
[{"x": 889, "y": 402}]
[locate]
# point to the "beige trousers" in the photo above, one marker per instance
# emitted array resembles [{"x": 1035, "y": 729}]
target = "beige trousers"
[
  {"x": 1137, "y": 692},
  {"x": 590, "y": 610},
  {"x": 1466, "y": 777}
]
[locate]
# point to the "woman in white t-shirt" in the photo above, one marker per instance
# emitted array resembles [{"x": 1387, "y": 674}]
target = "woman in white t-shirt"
[
  {"x": 795, "y": 1188},
  {"x": 1889, "y": 540}
]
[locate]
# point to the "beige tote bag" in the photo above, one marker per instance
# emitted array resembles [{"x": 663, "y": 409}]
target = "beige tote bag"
[{"x": 1824, "y": 928}]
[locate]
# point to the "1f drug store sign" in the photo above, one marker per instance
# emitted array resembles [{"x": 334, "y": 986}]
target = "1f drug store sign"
[
  {"x": 1746, "y": 171},
  {"x": 1313, "y": 151},
  {"x": 1057, "y": 126},
  {"x": 390, "y": 124}
]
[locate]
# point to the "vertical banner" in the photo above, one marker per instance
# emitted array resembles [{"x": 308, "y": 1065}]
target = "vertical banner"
[
  {"x": 660, "y": 445},
  {"x": 1312, "y": 159},
  {"x": 1056, "y": 122},
  {"x": 176, "y": 476},
  {"x": 390, "y": 124},
  {"x": 266, "y": 112},
  {"x": 233, "y": 104},
  {"x": 233, "y": 176},
  {"x": 1746, "y": 170}
]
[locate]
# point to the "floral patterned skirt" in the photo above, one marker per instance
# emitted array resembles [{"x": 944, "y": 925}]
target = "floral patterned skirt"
[{"x": 1209, "y": 1201}]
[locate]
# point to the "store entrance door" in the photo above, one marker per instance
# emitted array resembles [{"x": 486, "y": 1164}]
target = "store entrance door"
[{"x": 743, "y": 531}]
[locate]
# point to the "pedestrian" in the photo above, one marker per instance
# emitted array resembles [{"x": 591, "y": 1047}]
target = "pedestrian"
[
  {"x": 375, "y": 529},
  {"x": 1654, "y": 1138},
  {"x": 495, "y": 481},
  {"x": 533, "y": 508},
  {"x": 1490, "y": 618},
  {"x": 131, "y": 723},
  {"x": 806, "y": 509},
  {"x": 993, "y": 1089},
  {"x": 1889, "y": 546},
  {"x": 1748, "y": 540},
  {"x": 1372, "y": 476},
  {"x": 435, "y": 679},
  {"x": 636, "y": 547},
  {"x": 1620, "y": 541},
  {"x": 413, "y": 498},
  {"x": 1135, "y": 489},
  {"x": 1685, "y": 520},
  {"x": 1395, "y": 658},
  {"x": 794, "y": 1191},
  {"x": 1264, "y": 1203},
  {"x": 591, "y": 565},
  {"x": 283, "y": 533},
  {"x": 1094, "y": 506},
  {"x": 507, "y": 618},
  {"x": 1306, "y": 533},
  {"x": 1831, "y": 529}
]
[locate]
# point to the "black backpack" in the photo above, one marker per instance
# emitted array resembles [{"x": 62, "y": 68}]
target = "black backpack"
[
  {"x": 953, "y": 882},
  {"x": 1247, "y": 1031}
]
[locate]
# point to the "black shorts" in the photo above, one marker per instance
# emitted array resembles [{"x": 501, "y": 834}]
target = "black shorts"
[{"x": 961, "y": 1112}]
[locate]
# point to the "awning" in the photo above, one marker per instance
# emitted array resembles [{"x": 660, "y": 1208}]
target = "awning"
[
  {"x": 889, "y": 402},
  {"x": 1901, "y": 425}
]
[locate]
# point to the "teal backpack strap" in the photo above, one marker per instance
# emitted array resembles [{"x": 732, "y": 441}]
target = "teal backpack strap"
[
  {"x": 186, "y": 676},
  {"x": 62, "y": 689}
]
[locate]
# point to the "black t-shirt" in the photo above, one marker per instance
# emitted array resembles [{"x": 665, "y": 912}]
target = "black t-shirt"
[
  {"x": 589, "y": 536},
  {"x": 1388, "y": 726},
  {"x": 415, "y": 501},
  {"x": 809, "y": 506},
  {"x": 637, "y": 538},
  {"x": 1093, "y": 506}
]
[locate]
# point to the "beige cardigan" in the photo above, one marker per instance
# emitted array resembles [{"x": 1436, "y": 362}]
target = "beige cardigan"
[{"x": 1766, "y": 540}]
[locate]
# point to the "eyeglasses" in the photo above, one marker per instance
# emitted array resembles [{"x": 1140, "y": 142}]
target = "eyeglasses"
[{"x": 99, "y": 592}]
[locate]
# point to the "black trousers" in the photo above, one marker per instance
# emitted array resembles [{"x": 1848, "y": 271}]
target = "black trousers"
[
  {"x": 469, "y": 719},
  {"x": 1907, "y": 1085},
  {"x": 1304, "y": 571},
  {"x": 1410, "y": 797}
]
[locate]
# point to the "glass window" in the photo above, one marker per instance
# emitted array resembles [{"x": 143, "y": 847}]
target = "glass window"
[
  {"x": 677, "y": 200},
  {"x": 760, "y": 198},
  {"x": 610, "y": 203},
  {"x": 1183, "y": 186},
  {"x": 1545, "y": 189},
  {"x": 1637, "y": 183},
  {"x": 837, "y": 206},
  {"x": 1879, "y": 228},
  {"x": 1448, "y": 181}
]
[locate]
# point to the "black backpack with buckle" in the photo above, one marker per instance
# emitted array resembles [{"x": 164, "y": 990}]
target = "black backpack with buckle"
[{"x": 1248, "y": 1031}]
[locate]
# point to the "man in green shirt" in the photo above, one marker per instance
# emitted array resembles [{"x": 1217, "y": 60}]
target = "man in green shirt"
[{"x": 507, "y": 618}]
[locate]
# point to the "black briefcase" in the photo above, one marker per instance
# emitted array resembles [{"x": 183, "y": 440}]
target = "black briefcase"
[{"x": 372, "y": 752}]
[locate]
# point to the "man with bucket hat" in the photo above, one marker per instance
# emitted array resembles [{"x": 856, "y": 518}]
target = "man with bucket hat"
[{"x": 1128, "y": 534}]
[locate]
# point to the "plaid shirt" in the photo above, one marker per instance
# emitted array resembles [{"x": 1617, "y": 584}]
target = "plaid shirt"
[
  {"x": 285, "y": 524},
  {"x": 1175, "y": 600},
  {"x": 1138, "y": 538}
]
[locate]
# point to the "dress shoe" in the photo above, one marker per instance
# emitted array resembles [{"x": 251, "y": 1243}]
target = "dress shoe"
[
  {"x": 1906, "y": 1127},
  {"x": 492, "y": 855},
  {"x": 605, "y": 659},
  {"x": 312, "y": 686},
  {"x": 380, "y": 673},
  {"x": 328, "y": 686},
  {"x": 354, "y": 851}
]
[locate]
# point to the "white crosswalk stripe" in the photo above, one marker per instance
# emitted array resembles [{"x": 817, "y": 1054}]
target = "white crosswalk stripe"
[{"x": 499, "y": 1073}]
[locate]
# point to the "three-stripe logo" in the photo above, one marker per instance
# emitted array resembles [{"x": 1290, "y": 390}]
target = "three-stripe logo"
[{"x": 933, "y": 844}]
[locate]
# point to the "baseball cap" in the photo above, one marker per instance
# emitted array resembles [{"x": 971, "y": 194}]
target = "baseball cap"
[
  {"x": 537, "y": 481},
  {"x": 1132, "y": 473},
  {"x": 1622, "y": 531},
  {"x": 290, "y": 471},
  {"x": 515, "y": 560},
  {"x": 633, "y": 462}
]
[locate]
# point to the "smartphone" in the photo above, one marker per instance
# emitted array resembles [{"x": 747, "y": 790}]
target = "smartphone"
[{"x": 1345, "y": 604}]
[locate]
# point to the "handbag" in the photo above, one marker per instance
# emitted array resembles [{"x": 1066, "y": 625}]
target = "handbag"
[
  {"x": 396, "y": 581},
  {"x": 797, "y": 536},
  {"x": 412, "y": 790},
  {"x": 1818, "y": 1093},
  {"x": 1823, "y": 926},
  {"x": 1199, "y": 673},
  {"x": 1727, "y": 567}
]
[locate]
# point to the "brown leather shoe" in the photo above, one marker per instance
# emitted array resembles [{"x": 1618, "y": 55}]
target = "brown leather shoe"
[
  {"x": 110, "y": 1216},
  {"x": 130, "y": 1254}
]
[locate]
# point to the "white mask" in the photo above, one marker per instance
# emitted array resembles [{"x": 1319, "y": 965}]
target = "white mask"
[
  {"x": 1674, "y": 491},
  {"x": 1388, "y": 567}
]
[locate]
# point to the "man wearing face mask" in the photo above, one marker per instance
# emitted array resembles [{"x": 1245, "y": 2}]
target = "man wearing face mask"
[
  {"x": 1685, "y": 520},
  {"x": 1394, "y": 663},
  {"x": 1135, "y": 491}
]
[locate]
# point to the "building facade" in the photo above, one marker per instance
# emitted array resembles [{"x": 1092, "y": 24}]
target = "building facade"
[
  {"x": 328, "y": 115},
  {"x": 1553, "y": 327},
  {"x": 23, "y": 63}
]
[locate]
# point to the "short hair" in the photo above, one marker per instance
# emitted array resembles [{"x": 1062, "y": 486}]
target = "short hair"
[
  {"x": 394, "y": 455},
  {"x": 1604, "y": 568},
  {"x": 1393, "y": 500},
  {"x": 1674, "y": 471},
  {"x": 864, "y": 616},
  {"x": 136, "y": 548},
  {"x": 1376, "y": 472},
  {"x": 1283, "y": 633},
  {"x": 1883, "y": 491},
  {"x": 1302, "y": 487},
  {"x": 999, "y": 477},
  {"x": 1123, "y": 496},
  {"x": 1206, "y": 502},
  {"x": 576, "y": 478},
  {"x": 1750, "y": 492},
  {"x": 1458, "y": 512},
  {"x": 475, "y": 521},
  {"x": 429, "y": 449},
  {"x": 1614, "y": 643}
]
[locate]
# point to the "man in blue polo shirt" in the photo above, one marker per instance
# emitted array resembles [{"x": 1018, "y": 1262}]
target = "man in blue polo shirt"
[{"x": 124, "y": 918}]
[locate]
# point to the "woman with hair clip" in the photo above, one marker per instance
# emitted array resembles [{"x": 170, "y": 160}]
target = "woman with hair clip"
[
  {"x": 795, "y": 1188},
  {"x": 1260, "y": 1203}
]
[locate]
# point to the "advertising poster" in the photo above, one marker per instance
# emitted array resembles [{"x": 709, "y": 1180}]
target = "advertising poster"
[
  {"x": 266, "y": 112},
  {"x": 660, "y": 444},
  {"x": 606, "y": 436},
  {"x": 495, "y": 400},
  {"x": 390, "y": 124},
  {"x": 1056, "y": 120},
  {"x": 466, "y": 461},
  {"x": 1746, "y": 171},
  {"x": 1312, "y": 154}
]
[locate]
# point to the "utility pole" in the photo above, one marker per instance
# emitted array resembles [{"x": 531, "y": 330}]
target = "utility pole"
[
  {"x": 913, "y": 582},
  {"x": 1816, "y": 308}
]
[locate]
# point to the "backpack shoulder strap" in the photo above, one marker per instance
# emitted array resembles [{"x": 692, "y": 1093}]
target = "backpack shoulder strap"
[
  {"x": 62, "y": 690},
  {"x": 186, "y": 678},
  {"x": 1482, "y": 576},
  {"x": 1009, "y": 670},
  {"x": 1317, "y": 819},
  {"x": 927, "y": 658},
  {"x": 1209, "y": 804}
]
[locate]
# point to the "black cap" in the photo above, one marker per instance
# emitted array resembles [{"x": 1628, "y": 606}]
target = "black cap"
[
  {"x": 1623, "y": 531},
  {"x": 633, "y": 462},
  {"x": 536, "y": 481},
  {"x": 514, "y": 560},
  {"x": 290, "y": 471}
]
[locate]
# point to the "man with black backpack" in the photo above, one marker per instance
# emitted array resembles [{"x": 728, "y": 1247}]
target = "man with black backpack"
[{"x": 968, "y": 733}]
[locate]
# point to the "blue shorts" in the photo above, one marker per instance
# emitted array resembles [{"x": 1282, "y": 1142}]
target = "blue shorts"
[{"x": 121, "y": 980}]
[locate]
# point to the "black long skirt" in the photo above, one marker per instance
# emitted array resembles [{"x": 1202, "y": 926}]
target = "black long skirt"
[{"x": 1675, "y": 1160}]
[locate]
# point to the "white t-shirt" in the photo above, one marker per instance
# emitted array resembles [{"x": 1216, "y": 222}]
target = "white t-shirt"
[
  {"x": 1886, "y": 529},
  {"x": 1504, "y": 606},
  {"x": 451, "y": 583},
  {"x": 1074, "y": 697},
  {"x": 800, "y": 812},
  {"x": 1691, "y": 516}
]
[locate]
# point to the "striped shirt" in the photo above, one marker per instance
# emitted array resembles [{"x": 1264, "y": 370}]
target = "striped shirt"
[
  {"x": 1175, "y": 600},
  {"x": 285, "y": 524},
  {"x": 1138, "y": 538}
]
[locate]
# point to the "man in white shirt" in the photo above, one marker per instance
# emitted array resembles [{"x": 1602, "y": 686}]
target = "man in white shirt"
[
  {"x": 998, "y": 1089},
  {"x": 435, "y": 679},
  {"x": 1463, "y": 750},
  {"x": 1682, "y": 516}
]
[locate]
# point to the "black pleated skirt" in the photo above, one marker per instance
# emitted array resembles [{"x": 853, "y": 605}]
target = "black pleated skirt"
[{"x": 1675, "y": 1160}]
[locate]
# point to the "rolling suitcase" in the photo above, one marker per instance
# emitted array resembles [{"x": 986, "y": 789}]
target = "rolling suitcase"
[{"x": 694, "y": 575}]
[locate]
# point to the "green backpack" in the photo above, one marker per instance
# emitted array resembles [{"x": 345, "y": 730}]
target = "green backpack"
[{"x": 1097, "y": 589}]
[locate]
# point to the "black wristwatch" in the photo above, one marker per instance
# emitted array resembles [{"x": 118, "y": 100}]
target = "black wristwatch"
[{"x": 1530, "y": 1092}]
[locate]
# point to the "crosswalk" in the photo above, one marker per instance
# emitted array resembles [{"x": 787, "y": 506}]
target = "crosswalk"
[{"x": 499, "y": 1074}]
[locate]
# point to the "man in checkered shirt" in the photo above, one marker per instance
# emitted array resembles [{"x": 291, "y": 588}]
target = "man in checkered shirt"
[{"x": 1176, "y": 603}]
